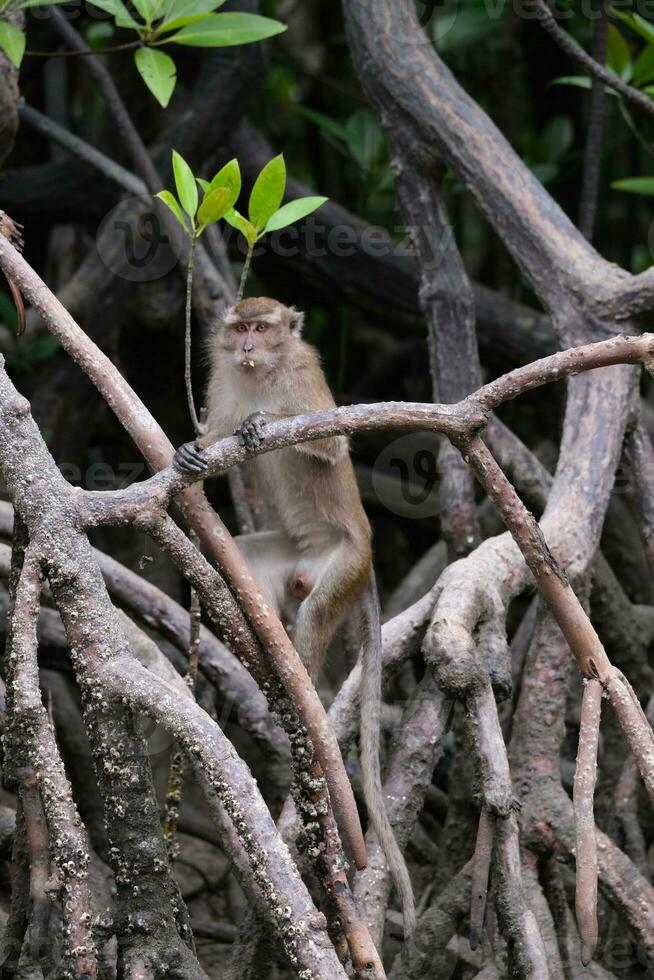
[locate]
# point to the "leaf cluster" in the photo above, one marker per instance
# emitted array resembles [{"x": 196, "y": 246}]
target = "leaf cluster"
[
  {"x": 190, "y": 23},
  {"x": 266, "y": 213}
]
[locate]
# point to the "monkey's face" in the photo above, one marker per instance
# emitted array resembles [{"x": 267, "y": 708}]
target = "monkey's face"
[
  {"x": 256, "y": 343},
  {"x": 256, "y": 333}
]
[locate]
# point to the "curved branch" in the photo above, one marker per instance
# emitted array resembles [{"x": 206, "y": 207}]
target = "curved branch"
[
  {"x": 588, "y": 63},
  {"x": 459, "y": 421}
]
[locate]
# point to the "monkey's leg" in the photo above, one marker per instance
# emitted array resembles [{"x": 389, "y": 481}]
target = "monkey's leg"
[
  {"x": 338, "y": 580},
  {"x": 272, "y": 557}
]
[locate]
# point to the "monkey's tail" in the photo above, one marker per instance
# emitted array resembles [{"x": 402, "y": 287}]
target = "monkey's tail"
[
  {"x": 18, "y": 303},
  {"x": 371, "y": 699}
]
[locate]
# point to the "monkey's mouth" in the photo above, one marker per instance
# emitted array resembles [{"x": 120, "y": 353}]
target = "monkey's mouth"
[{"x": 248, "y": 362}]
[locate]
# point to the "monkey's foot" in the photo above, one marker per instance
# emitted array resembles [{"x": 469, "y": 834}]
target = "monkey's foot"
[
  {"x": 191, "y": 458},
  {"x": 250, "y": 431}
]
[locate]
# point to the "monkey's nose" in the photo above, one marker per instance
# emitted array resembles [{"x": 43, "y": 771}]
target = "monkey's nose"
[{"x": 248, "y": 346}]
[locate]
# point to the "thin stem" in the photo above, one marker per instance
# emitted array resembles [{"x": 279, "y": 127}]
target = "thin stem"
[
  {"x": 187, "y": 339},
  {"x": 593, "y": 148},
  {"x": 82, "y": 150},
  {"x": 128, "y": 131},
  {"x": 128, "y": 46},
  {"x": 588, "y": 63},
  {"x": 244, "y": 274},
  {"x": 551, "y": 580}
]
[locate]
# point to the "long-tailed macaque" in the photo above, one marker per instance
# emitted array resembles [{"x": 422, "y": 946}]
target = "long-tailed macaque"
[{"x": 315, "y": 563}]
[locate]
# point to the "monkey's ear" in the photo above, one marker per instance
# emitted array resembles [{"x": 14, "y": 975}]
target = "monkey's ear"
[
  {"x": 296, "y": 322},
  {"x": 229, "y": 315}
]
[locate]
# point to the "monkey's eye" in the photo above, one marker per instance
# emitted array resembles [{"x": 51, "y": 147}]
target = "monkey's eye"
[
  {"x": 242, "y": 328},
  {"x": 261, "y": 327}
]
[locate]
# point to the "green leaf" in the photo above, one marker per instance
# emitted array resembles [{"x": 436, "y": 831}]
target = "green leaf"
[
  {"x": 171, "y": 202},
  {"x": 325, "y": 122},
  {"x": 578, "y": 81},
  {"x": 636, "y": 23},
  {"x": 179, "y": 13},
  {"x": 644, "y": 66},
  {"x": 226, "y": 30},
  {"x": 118, "y": 11},
  {"x": 635, "y": 185},
  {"x": 242, "y": 224},
  {"x": 12, "y": 42},
  {"x": 204, "y": 184},
  {"x": 229, "y": 176},
  {"x": 38, "y": 3},
  {"x": 294, "y": 211},
  {"x": 617, "y": 54},
  {"x": 98, "y": 33},
  {"x": 365, "y": 139},
  {"x": 457, "y": 28},
  {"x": 158, "y": 72},
  {"x": 187, "y": 189},
  {"x": 558, "y": 136},
  {"x": 215, "y": 206},
  {"x": 148, "y": 9},
  {"x": 268, "y": 192}
]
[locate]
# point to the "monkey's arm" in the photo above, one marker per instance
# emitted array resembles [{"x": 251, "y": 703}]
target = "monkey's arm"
[
  {"x": 309, "y": 392},
  {"x": 251, "y": 432}
]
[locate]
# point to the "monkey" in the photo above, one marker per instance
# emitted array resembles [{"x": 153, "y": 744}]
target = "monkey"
[
  {"x": 12, "y": 231},
  {"x": 315, "y": 562}
]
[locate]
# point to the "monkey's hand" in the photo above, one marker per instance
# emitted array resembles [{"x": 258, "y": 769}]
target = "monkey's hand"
[
  {"x": 191, "y": 458},
  {"x": 250, "y": 431}
]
